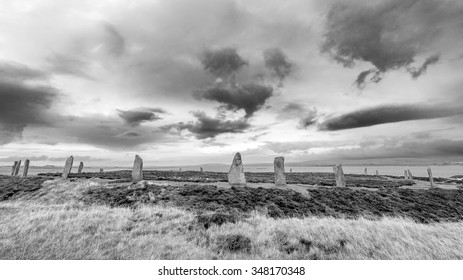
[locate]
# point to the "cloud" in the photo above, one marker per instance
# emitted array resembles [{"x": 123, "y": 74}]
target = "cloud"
[
  {"x": 390, "y": 34},
  {"x": 388, "y": 114},
  {"x": 418, "y": 71},
  {"x": 292, "y": 110},
  {"x": 114, "y": 41},
  {"x": 137, "y": 116},
  {"x": 278, "y": 63},
  {"x": 249, "y": 97},
  {"x": 68, "y": 65},
  {"x": 207, "y": 127},
  {"x": 25, "y": 100},
  {"x": 18, "y": 73},
  {"x": 222, "y": 63}
]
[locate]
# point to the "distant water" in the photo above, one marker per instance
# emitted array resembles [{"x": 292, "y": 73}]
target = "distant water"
[{"x": 421, "y": 171}]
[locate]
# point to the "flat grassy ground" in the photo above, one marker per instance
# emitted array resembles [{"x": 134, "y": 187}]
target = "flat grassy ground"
[{"x": 96, "y": 219}]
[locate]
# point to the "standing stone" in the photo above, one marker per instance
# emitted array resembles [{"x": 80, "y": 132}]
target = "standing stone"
[
  {"x": 180, "y": 169},
  {"x": 16, "y": 170},
  {"x": 67, "y": 167},
  {"x": 26, "y": 168},
  {"x": 410, "y": 176},
  {"x": 279, "y": 167},
  {"x": 236, "y": 174},
  {"x": 13, "y": 168},
  {"x": 431, "y": 181},
  {"x": 339, "y": 176},
  {"x": 81, "y": 166},
  {"x": 290, "y": 170},
  {"x": 366, "y": 171},
  {"x": 101, "y": 170},
  {"x": 137, "y": 172},
  {"x": 377, "y": 173},
  {"x": 405, "y": 175},
  {"x": 201, "y": 169}
]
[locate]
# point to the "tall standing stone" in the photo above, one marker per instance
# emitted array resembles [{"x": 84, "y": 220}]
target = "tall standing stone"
[
  {"x": 16, "y": 170},
  {"x": 431, "y": 180},
  {"x": 279, "y": 167},
  {"x": 339, "y": 176},
  {"x": 101, "y": 170},
  {"x": 137, "y": 172},
  {"x": 377, "y": 173},
  {"x": 290, "y": 170},
  {"x": 81, "y": 166},
  {"x": 13, "y": 168},
  {"x": 366, "y": 171},
  {"x": 410, "y": 176},
  {"x": 26, "y": 168},
  {"x": 67, "y": 167},
  {"x": 236, "y": 174},
  {"x": 405, "y": 175},
  {"x": 201, "y": 169}
]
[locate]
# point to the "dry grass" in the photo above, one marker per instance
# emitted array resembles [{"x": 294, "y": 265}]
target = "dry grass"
[{"x": 53, "y": 224}]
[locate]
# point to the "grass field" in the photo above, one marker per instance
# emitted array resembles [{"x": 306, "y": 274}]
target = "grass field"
[{"x": 62, "y": 220}]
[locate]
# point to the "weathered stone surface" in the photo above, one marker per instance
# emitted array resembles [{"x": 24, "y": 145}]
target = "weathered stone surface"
[
  {"x": 236, "y": 174},
  {"x": 137, "y": 172},
  {"x": 431, "y": 180},
  {"x": 279, "y": 167},
  {"x": 201, "y": 169},
  {"x": 405, "y": 175},
  {"x": 16, "y": 170},
  {"x": 26, "y": 168},
  {"x": 13, "y": 168},
  {"x": 67, "y": 167},
  {"x": 339, "y": 176},
  {"x": 366, "y": 171},
  {"x": 410, "y": 176},
  {"x": 81, "y": 166},
  {"x": 377, "y": 173}
]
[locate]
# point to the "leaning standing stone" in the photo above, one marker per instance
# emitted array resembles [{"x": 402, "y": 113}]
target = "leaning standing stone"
[
  {"x": 137, "y": 172},
  {"x": 366, "y": 171},
  {"x": 13, "y": 168},
  {"x": 236, "y": 174},
  {"x": 279, "y": 167},
  {"x": 81, "y": 166},
  {"x": 16, "y": 170},
  {"x": 201, "y": 169},
  {"x": 339, "y": 176},
  {"x": 26, "y": 168},
  {"x": 377, "y": 173},
  {"x": 431, "y": 180},
  {"x": 67, "y": 167}
]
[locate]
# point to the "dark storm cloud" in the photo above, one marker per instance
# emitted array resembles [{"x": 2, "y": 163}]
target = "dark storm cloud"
[
  {"x": 137, "y": 116},
  {"x": 388, "y": 114},
  {"x": 207, "y": 127},
  {"x": 249, "y": 97},
  {"x": 25, "y": 100},
  {"x": 375, "y": 77},
  {"x": 390, "y": 34},
  {"x": 222, "y": 63},
  {"x": 276, "y": 61},
  {"x": 68, "y": 65}
]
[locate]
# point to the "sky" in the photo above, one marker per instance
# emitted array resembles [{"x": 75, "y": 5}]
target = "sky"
[{"x": 190, "y": 82}]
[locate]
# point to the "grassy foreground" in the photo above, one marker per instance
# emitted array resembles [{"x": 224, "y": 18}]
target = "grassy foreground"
[{"x": 54, "y": 223}]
